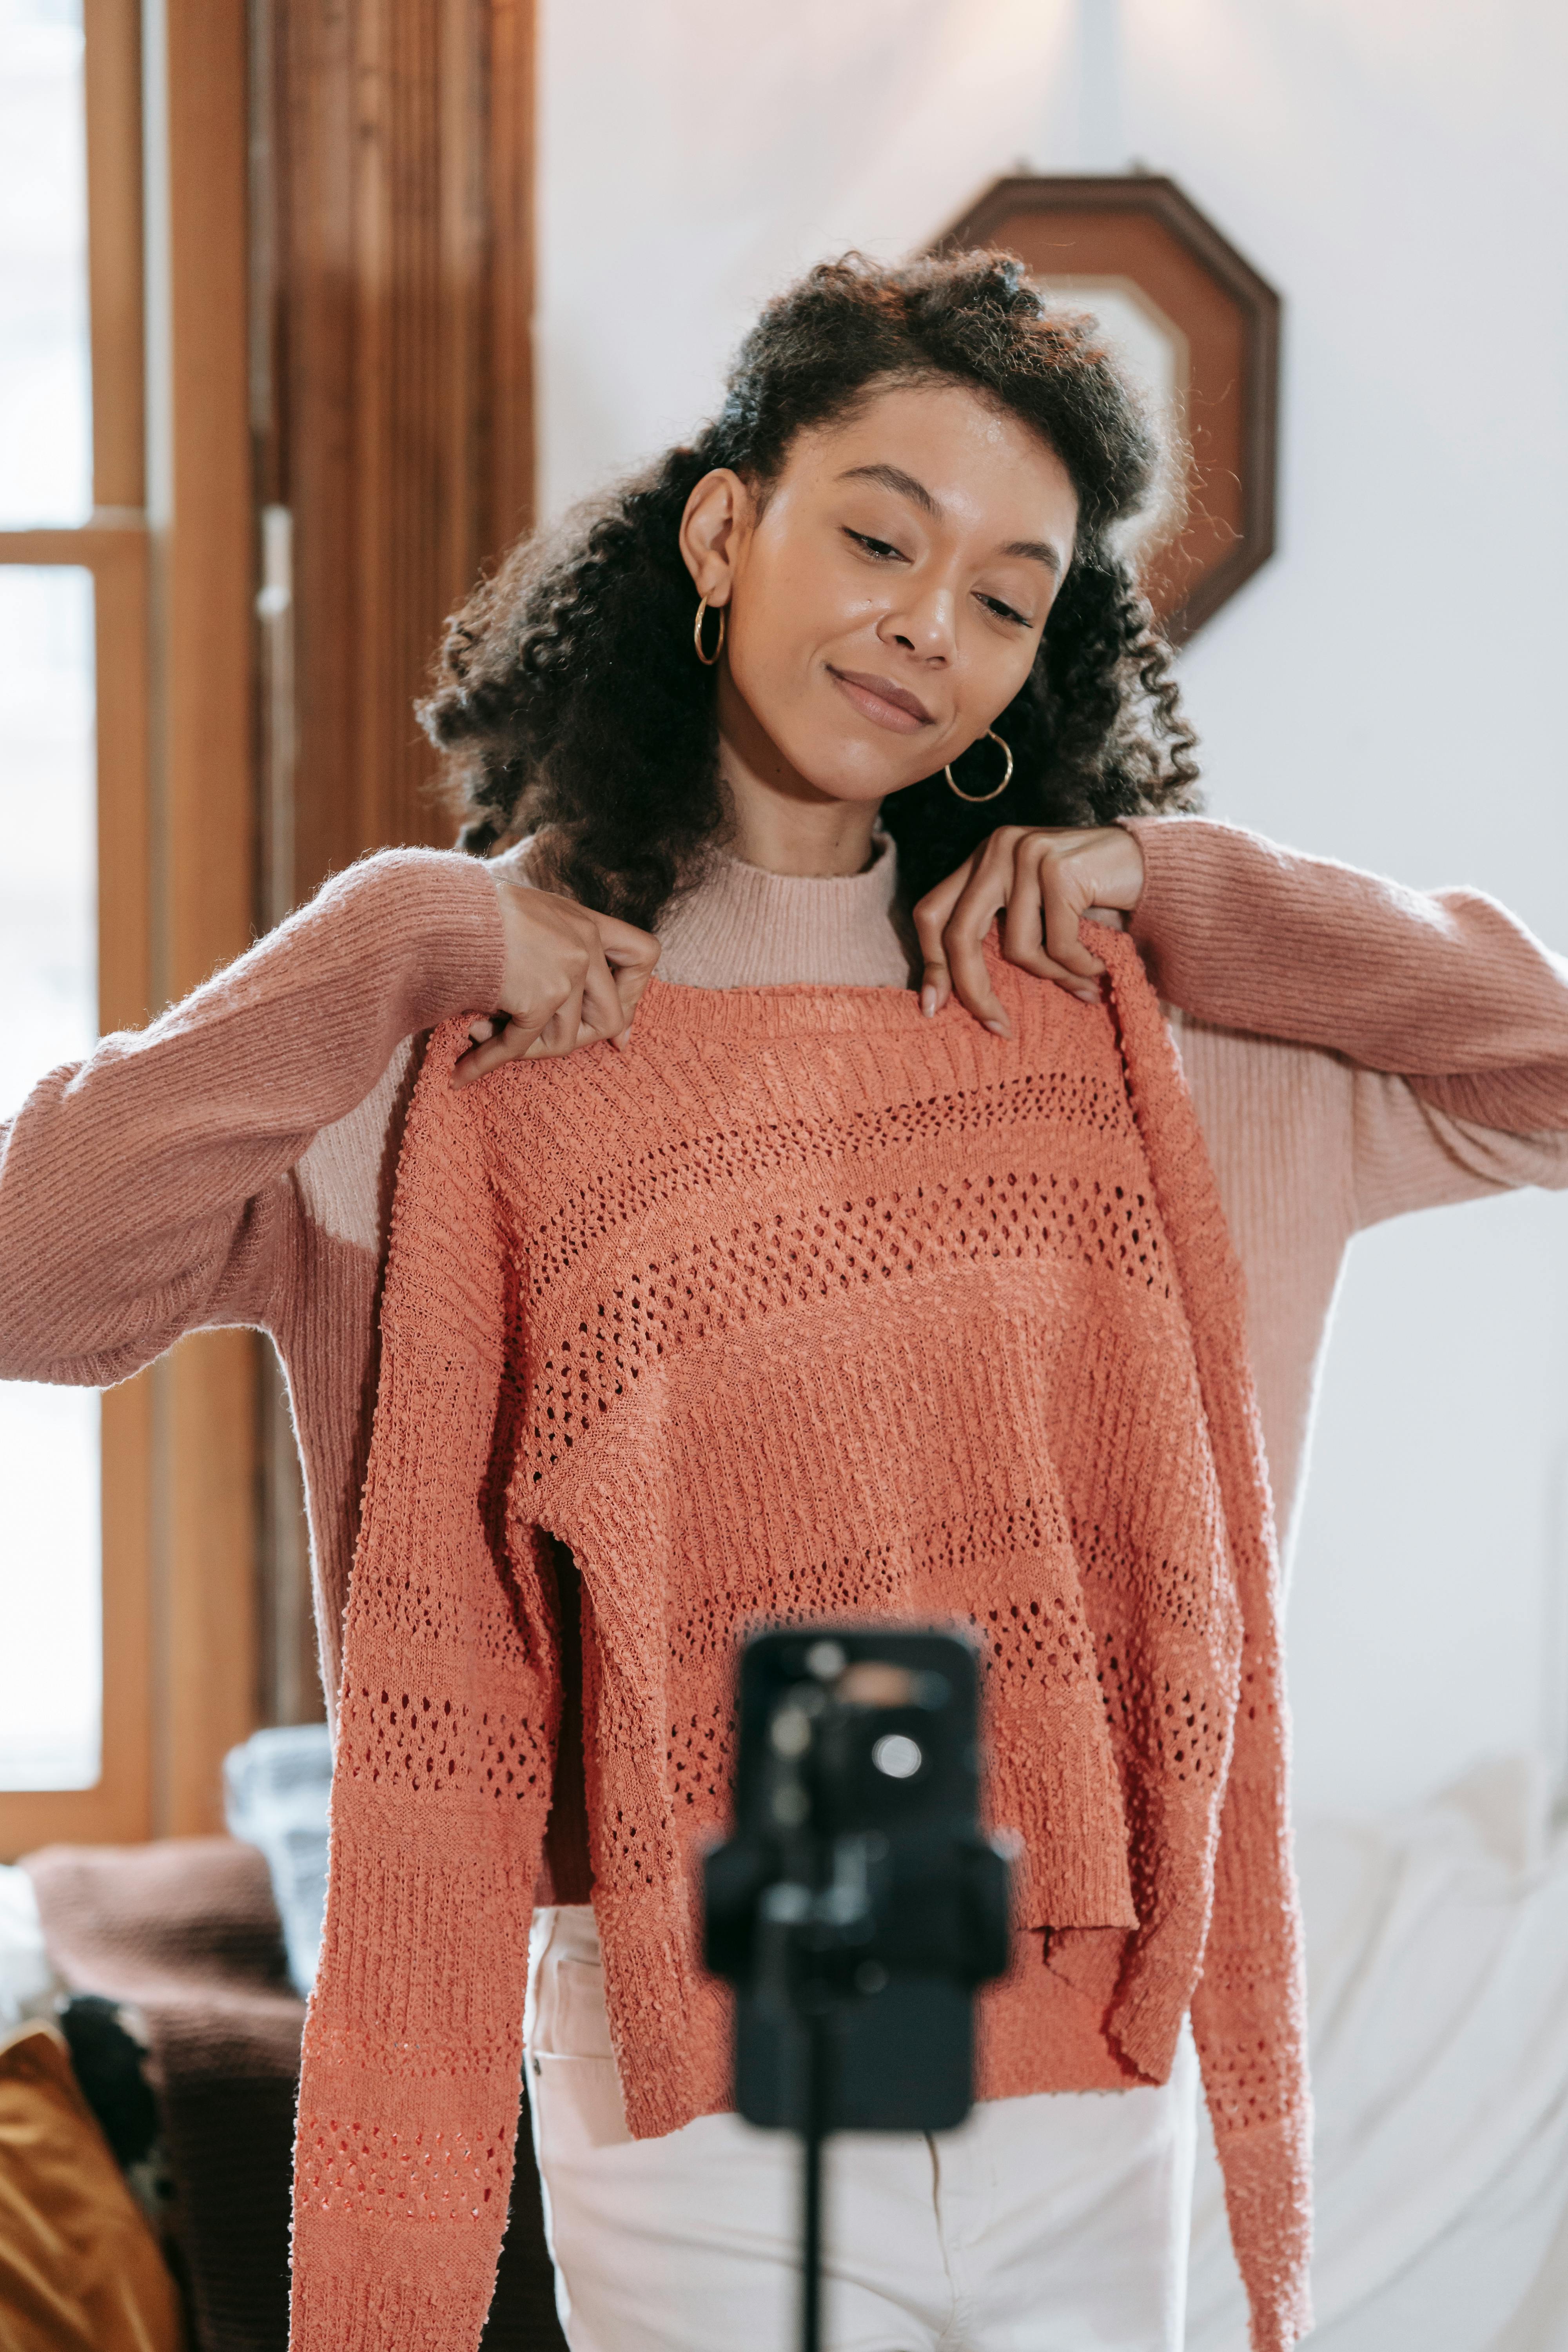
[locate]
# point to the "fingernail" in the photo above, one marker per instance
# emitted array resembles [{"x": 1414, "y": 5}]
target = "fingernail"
[
  {"x": 622, "y": 1041},
  {"x": 998, "y": 1028},
  {"x": 928, "y": 1001}
]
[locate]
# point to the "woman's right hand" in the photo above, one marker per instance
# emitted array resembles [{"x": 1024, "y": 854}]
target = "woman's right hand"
[{"x": 571, "y": 978}]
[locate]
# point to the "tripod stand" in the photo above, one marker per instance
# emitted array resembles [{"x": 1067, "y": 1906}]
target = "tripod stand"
[{"x": 814, "y": 2131}]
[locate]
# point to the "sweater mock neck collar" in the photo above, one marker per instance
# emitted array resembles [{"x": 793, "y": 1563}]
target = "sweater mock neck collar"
[{"x": 741, "y": 926}]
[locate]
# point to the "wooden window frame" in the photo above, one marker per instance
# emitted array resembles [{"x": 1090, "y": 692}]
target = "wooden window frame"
[
  {"x": 205, "y": 1603},
  {"x": 112, "y": 546},
  {"x": 172, "y": 580}
]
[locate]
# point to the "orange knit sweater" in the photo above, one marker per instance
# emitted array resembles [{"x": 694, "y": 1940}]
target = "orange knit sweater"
[{"x": 804, "y": 1306}]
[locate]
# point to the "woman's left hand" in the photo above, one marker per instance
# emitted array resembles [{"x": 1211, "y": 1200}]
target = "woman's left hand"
[{"x": 1044, "y": 879}]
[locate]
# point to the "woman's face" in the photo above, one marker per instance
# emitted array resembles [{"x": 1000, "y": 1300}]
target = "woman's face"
[{"x": 887, "y": 601}]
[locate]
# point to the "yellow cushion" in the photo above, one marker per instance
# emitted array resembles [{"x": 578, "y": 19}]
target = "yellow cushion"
[{"x": 80, "y": 2269}]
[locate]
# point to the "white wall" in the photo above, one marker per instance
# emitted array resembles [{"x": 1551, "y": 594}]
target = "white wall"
[{"x": 1386, "y": 691}]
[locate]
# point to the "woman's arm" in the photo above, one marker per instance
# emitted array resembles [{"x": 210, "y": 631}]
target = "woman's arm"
[
  {"x": 1444, "y": 988},
  {"x": 140, "y": 1191}
]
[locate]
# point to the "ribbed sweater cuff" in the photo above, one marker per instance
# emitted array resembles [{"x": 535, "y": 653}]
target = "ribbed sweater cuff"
[
  {"x": 1188, "y": 879},
  {"x": 1269, "y": 2199},
  {"x": 443, "y": 908},
  {"x": 414, "y": 2287}
]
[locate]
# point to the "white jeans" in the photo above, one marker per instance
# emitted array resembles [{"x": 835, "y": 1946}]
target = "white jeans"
[{"x": 1046, "y": 2224}]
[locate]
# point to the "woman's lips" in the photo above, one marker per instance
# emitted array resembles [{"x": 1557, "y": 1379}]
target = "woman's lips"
[{"x": 885, "y": 704}]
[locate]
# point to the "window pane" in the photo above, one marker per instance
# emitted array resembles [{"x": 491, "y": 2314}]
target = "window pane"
[
  {"x": 51, "y": 1581},
  {"x": 48, "y": 879},
  {"x": 50, "y": 1541},
  {"x": 46, "y": 457}
]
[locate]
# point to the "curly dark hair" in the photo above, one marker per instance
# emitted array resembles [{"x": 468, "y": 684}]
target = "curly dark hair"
[{"x": 568, "y": 701}]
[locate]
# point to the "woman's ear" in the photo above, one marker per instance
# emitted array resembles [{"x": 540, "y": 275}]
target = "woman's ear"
[{"x": 717, "y": 514}]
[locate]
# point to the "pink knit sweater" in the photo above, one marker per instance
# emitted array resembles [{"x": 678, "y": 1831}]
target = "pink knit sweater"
[{"x": 1352, "y": 1049}]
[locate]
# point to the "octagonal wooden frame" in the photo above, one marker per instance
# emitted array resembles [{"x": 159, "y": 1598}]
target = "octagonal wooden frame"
[{"x": 1142, "y": 229}]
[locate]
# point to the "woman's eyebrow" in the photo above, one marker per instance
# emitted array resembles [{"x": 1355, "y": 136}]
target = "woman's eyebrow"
[
  {"x": 893, "y": 477},
  {"x": 1037, "y": 551},
  {"x": 905, "y": 486}
]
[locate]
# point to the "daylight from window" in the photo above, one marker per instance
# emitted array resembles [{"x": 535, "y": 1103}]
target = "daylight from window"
[
  {"x": 51, "y": 1578},
  {"x": 45, "y": 415},
  {"x": 50, "y": 1545}
]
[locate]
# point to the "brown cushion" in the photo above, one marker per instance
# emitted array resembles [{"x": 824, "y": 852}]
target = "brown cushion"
[
  {"x": 80, "y": 2269},
  {"x": 187, "y": 1930}
]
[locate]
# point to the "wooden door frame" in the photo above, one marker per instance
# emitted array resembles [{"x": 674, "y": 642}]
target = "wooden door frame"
[{"x": 392, "y": 402}]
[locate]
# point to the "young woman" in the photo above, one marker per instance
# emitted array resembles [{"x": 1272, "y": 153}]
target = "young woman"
[{"x": 795, "y": 717}]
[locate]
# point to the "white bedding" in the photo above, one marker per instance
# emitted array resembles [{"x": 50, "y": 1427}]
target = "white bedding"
[{"x": 1438, "y": 1959}]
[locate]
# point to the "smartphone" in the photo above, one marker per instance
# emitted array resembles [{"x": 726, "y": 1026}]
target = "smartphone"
[{"x": 857, "y": 1905}]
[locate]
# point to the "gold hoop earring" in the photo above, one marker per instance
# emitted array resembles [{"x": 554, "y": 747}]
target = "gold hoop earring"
[
  {"x": 707, "y": 660},
  {"x": 972, "y": 798}
]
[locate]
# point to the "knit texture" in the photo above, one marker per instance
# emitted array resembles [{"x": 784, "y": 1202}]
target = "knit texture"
[{"x": 807, "y": 1306}]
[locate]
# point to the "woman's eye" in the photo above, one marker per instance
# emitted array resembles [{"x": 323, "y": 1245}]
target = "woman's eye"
[
  {"x": 877, "y": 547},
  {"x": 1004, "y": 612}
]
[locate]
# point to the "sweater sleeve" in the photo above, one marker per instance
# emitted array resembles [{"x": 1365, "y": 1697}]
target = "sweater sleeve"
[
  {"x": 1443, "y": 988},
  {"x": 448, "y": 1717},
  {"x": 1248, "y": 2007},
  {"x": 142, "y": 1192}
]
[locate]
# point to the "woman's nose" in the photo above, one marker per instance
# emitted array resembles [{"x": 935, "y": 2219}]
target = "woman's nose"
[{"x": 925, "y": 626}]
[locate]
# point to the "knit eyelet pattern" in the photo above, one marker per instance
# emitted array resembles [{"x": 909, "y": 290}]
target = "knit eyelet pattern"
[{"x": 807, "y": 1306}]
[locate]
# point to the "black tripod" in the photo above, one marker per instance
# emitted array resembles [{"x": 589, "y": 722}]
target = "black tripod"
[{"x": 857, "y": 1907}]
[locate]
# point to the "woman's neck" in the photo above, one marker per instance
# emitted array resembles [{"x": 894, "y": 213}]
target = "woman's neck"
[
  {"x": 820, "y": 844},
  {"x": 778, "y": 821}
]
